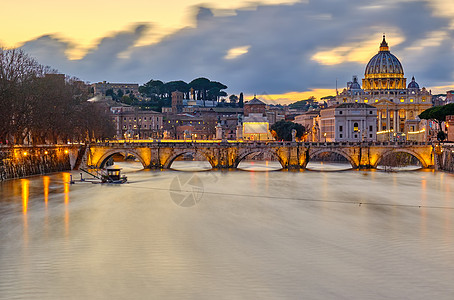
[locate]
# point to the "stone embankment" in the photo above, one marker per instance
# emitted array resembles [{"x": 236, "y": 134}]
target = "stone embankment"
[
  {"x": 445, "y": 157},
  {"x": 23, "y": 161}
]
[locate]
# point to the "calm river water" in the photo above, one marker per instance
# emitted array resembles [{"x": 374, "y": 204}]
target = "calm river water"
[{"x": 229, "y": 235}]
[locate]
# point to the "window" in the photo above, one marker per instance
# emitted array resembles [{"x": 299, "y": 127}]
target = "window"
[
  {"x": 340, "y": 112},
  {"x": 370, "y": 135},
  {"x": 370, "y": 112},
  {"x": 355, "y": 127},
  {"x": 340, "y": 135},
  {"x": 340, "y": 128},
  {"x": 370, "y": 127}
]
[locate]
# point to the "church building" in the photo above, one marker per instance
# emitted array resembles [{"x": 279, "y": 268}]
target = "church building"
[{"x": 398, "y": 105}]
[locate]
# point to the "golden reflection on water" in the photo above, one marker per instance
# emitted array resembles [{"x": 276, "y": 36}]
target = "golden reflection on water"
[
  {"x": 422, "y": 208},
  {"x": 66, "y": 180},
  {"x": 25, "y": 184},
  {"x": 46, "y": 181}
]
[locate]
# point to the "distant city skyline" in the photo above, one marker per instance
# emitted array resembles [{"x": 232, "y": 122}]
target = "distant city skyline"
[{"x": 282, "y": 50}]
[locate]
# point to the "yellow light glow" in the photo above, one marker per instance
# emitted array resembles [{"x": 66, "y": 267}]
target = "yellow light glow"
[
  {"x": 45, "y": 152},
  {"x": 385, "y": 131},
  {"x": 235, "y": 52},
  {"x": 353, "y": 53},
  {"x": 416, "y": 132},
  {"x": 291, "y": 97},
  {"x": 66, "y": 151},
  {"x": 24, "y": 153},
  {"x": 25, "y": 194}
]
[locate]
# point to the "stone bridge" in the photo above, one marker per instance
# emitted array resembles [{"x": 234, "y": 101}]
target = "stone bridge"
[{"x": 228, "y": 155}]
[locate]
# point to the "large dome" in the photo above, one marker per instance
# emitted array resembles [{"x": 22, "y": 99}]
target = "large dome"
[
  {"x": 384, "y": 71},
  {"x": 384, "y": 63}
]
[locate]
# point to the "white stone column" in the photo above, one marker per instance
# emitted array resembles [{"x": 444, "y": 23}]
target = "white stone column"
[
  {"x": 379, "y": 121},
  {"x": 396, "y": 115},
  {"x": 388, "y": 120}
]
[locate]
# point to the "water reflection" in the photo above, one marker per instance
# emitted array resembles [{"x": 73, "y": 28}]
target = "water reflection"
[
  {"x": 191, "y": 166},
  {"x": 259, "y": 166},
  {"x": 25, "y": 194},
  {"x": 253, "y": 235},
  {"x": 46, "y": 182},
  {"x": 328, "y": 166},
  {"x": 66, "y": 183}
]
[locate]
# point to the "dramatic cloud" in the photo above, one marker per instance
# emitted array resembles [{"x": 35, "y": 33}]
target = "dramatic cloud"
[{"x": 274, "y": 49}]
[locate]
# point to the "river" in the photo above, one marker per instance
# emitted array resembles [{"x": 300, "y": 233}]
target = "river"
[{"x": 250, "y": 234}]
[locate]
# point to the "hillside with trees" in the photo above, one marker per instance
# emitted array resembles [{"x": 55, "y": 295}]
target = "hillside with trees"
[
  {"x": 159, "y": 93},
  {"x": 305, "y": 105}
]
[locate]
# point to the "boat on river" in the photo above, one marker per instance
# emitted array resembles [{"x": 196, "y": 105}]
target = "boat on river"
[
  {"x": 113, "y": 175},
  {"x": 110, "y": 175}
]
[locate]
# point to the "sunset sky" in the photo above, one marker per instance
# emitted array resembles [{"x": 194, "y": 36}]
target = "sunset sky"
[{"x": 282, "y": 50}]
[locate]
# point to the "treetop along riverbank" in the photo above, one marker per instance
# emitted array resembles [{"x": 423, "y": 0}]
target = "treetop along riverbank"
[{"x": 38, "y": 105}]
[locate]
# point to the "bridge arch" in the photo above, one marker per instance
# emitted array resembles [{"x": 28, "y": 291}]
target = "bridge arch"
[
  {"x": 124, "y": 152},
  {"x": 411, "y": 152},
  {"x": 350, "y": 159},
  {"x": 273, "y": 153},
  {"x": 179, "y": 152}
]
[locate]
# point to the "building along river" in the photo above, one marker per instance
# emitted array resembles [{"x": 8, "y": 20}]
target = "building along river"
[{"x": 246, "y": 234}]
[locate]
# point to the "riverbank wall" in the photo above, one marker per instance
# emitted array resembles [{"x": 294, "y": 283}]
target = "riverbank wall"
[
  {"x": 445, "y": 157},
  {"x": 23, "y": 161}
]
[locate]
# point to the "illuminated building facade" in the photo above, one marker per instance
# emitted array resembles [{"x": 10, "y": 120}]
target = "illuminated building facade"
[
  {"x": 398, "y": 105},
  {"x": 255, "y": 123},
  {"x": 348, "y": 122}
]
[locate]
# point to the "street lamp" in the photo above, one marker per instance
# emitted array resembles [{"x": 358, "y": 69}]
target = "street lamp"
[{"x": 324, "y": 134}]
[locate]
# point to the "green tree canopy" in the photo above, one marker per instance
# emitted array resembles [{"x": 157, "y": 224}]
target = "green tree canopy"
[
  {"x": 282, "y": 130},
  {"x": 438, "y": 114}
]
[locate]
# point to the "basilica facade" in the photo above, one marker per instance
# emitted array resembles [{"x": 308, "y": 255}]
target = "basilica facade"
[{"x": 398, "y": 104}]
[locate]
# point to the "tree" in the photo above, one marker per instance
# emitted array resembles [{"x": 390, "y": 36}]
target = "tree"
[
  {"x": 241, "y": 101},
  {"x": 152, "y": 88},
  {"x": 233, "y": 99},
  {"x": 438, "y": 114},
  {"x": 120, "y": 93},
  {"x": 173, "y": 86},
  {"x": 200, "y": 86},
  {"x": 282, "y": 130},
  {"x": 110, "y": 92},
  {"x": 38, "y": 105},
  {"x": 215, "y": 90}
]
